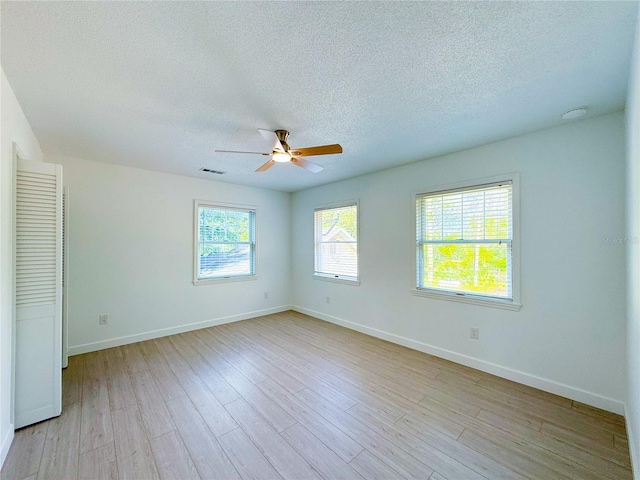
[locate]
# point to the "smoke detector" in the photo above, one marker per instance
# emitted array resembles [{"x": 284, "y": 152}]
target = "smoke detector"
[{"x": 575, "y": 113}]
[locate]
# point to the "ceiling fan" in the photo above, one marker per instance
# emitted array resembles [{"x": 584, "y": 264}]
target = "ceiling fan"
[{"x": 282, "y": 153}]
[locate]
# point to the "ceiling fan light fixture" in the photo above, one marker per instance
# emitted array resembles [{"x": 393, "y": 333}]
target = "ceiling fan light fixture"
[{"x": 281, "y": 157}]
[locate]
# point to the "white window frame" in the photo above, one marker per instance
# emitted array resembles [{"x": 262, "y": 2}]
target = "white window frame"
[
  {"x": 344, "y": 279},
  {"x": 196, "y": 241},
  {"x": 507, "y": 304}
]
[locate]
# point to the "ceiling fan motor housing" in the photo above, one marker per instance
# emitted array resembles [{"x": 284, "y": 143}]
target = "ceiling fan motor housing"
[{"x": 282, "y": 136}]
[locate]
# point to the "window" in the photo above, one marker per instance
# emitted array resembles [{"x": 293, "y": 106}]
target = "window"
[
  {"x": 225, "y": 245},
  {"x": 336, "y": 243},
  {"x": 465, "y": 243}
]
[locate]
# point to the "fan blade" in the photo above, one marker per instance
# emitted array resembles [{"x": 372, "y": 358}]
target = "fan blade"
[
  {"x": 321, "y": 150},
  {"x": 301, "y": 162},
  {"x": 266, "y": 166},
  {"x": 272, "y": 138},
  {"x": 237, "y": 151}
]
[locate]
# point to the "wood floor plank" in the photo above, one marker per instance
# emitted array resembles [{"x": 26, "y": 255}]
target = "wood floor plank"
[
  {"x": 380, "y": 390},
  {"x": 251, "y": 336},
  {"x": 133, "y": 358},
  {"x": 319, "y": 386},
  {"x": 25, "y": 453},
  {"x": 183, "y": 346},
  {"x": 372, "y": 468},
  {"x": 270, "y": 410},
  {"x": 428, "y": 454},
  {"x": 72, "y": 381},
  {"x": 499, "y": 421},
  {"x": 205, "y": 451},
  {"x": 172, "y": 356},
  {"x": 522, "y": 410},
  {"x": 322, "y": 342},
  {"x": 524, "y": 465},
  {"x": 458, "y": 378},
  {"x": 394, "y": 456},
  {"x": 319, "y": 456},
  {"x": 276, "y": 450},
  {"x": 474, "y": 460},
  {"x": 155, "y": 415},
  {"x": 172, "y": 458},
  {"x": 133, "y": 452},
  {"x": 411, "y": 391},
  {"x": 118, "y": 380},
  {"x": 233, "y": 354},
  {"x": 451, "y": 401},
  {"x": 314, "y": 354},
  {"x": 595, "y": 444},
  {"x": 437, "y": 476},
  {"x": 604, "y": 468},
  {"x": 213, "y": 413},
  {"x": 224, "y": 392},
  {"x": 437, "y": 421},
  {"x": 99, "y": 464},
  {"x": 361, "y": 395},
  {"x": 62, "y": 445},
  {"x": 166, "y": 381},
  {"x": 246, "y": 457},
  {"x": 208, "y": 352},
  {"x": 508, "y": 387},
  {"x": 272, "y": 371},
  {"x": 212, "y": 337},
  {"x": 244, "y": 344},
  {"x": 533, "y": 461},
  {"x": 95, "y": 429},
  {"x": 599, "y": 414},
  {"x": 621, "y": 442},
  {"x": 525, "y": 436},
  {"x": 285, "y": 344},
  {"x": 343, "y": 445}
]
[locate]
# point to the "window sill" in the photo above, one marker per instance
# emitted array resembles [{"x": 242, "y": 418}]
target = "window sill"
[
  {"x": 209, "y": 281},
  {"x": 452, "y": 297},
  {"x": 344, "y": 281}
]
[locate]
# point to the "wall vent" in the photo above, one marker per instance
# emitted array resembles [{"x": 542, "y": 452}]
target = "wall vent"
[{"x": 208, "y": 170}]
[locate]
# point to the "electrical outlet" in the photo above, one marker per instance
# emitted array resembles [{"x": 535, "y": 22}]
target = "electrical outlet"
[
  {"x": 104, "y": 319},
  {"x": 328, "y": 299},
  {"x": 474, "y": 333},
  {"x": 266, "y": 294}
]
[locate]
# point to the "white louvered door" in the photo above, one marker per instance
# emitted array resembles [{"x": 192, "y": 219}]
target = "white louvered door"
[{"x": 38, "y": 294}]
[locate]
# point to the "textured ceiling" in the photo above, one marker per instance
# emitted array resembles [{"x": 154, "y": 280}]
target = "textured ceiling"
[{"x": 161, "y": 85}]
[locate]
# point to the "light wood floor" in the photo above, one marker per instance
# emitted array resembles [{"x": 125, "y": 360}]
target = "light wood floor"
[{"x": 288, "y": 396}]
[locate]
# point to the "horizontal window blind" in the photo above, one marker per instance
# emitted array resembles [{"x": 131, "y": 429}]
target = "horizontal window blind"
[
  {"x": 464, "y": 240},
  {"x": 225, "y": 242},
  {"x": 336, "y": 242}
]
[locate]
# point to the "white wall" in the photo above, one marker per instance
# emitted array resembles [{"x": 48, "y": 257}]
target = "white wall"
[
  {"x": 131, "y": 254},
  {"x": 569, "y": 337},
  {"x": 14, "y": 128},
  {"x": 633, "y": 253}
]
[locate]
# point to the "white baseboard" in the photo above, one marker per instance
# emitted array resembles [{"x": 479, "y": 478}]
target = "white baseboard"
[
  {"x": 540, "y": 383},
  {"x": 140, "y": 337},
  {"x": 7, "y": 439},
  {"x": 633, "y": 445}
]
